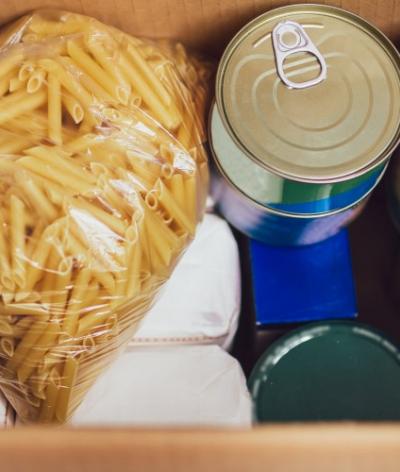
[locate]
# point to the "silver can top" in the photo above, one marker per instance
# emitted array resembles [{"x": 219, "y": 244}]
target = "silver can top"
[{"x": 312, "y": 93}]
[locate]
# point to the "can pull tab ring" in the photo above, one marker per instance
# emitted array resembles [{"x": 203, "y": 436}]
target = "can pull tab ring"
[{"x": 288, "y": 37}]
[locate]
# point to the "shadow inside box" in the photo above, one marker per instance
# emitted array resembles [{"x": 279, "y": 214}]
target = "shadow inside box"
[
  {"x": 251, "y": 342},
  {"x": 375, "y": 252}
]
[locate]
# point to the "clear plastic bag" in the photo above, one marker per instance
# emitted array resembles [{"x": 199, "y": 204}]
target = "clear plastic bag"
[{"x": 103, "y": 178}]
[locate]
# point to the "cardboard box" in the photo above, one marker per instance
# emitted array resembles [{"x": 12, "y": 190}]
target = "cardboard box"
[{"x": 208, "y": 25}]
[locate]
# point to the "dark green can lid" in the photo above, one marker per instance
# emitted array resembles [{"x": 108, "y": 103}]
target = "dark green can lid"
[{"x": 328, "y": 371}]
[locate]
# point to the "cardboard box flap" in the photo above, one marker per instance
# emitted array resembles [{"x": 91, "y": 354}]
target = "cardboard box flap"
[{"x": 204, "y": 24}]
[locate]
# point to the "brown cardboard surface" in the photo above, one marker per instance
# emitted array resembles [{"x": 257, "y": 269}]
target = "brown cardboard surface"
[
  {"x": 205, "y": 24},
  {"x": 279, "y": 448},
  {"x": 208, "y": 25}
]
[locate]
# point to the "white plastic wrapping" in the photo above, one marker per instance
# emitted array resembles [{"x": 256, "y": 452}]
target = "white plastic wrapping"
[
  {"x": 169, "y": 386},
  {"x": 7, "y": 414},
  {"x": 201, "y": 301}
]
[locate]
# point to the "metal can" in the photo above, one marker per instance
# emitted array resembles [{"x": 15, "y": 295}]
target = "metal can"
[
  {"x": 307, "y": 115},
  {"x": 328, "y": 371}
]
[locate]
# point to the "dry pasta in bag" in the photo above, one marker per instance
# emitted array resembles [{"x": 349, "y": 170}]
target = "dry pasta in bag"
[{"x": 103, "y": 179}]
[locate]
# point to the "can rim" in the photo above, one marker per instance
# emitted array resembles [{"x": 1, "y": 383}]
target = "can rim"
[
  {"x": 379, "y": 338},
  {"x": 267, "y": 209},
  {"x": 247, "y": 29}
]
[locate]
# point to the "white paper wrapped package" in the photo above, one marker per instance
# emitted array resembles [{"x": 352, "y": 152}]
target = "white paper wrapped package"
[
  {"x": 169, "y": 386},
  {"x": 7, "y": 415},
  {"x": 201, "y": 301}
]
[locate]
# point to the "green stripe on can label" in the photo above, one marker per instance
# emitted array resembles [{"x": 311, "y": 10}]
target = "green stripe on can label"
[{"x": 281, "y": 194}]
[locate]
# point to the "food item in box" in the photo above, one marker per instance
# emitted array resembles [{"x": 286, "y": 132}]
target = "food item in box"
[
  {"x": 328, "y": 371},
  {"x": 103, "y": 180},
  {"x": 307, "y": 115},
  {"x": 207, "y": 311},
  {"x": 169, "y": 386},
  {"x": 303, "y": 283}
]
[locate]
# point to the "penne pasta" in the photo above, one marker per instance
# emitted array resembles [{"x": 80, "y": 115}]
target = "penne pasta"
[
  {"x": 92, "y": 296},
  {"x": 190, "y": 199},
  {"x": 48, "y": 405},
  {"x": 54, "y": 108},
  {"x": 151, "y": 200},
  {"x": 73, "y": 107},
  {"x": 68, "y": 379},
  {"x": 90, "y": 85},
  {"x": 94, "y": 319},
  {"x": 84, "y": 143},
  {"x": 105, "y": 279},
  {"x": 140, "y": 169},
  {"x": 21, "y": 327},
  {"x": 135, "y": 100},
  {"x": 123, "y": 90},
  {"x": 102, "y": 182},
  {"x": 5, "y": 328},
  {"x": 164, "y": 239},
  {"x": 68, "y": 81},
  {"x": 171, "y": 206},
  {"x": 177, "y": 188},
  {"x": 36, "y": 81},
  {"x": 25, "y": 70},
  {"x": 5, "y": 82},
  {"x": 29, "y": 339},
  {"x": 37, "y": 166},
  {"x": 26, "y": 308},
  {"x": 167, "y": 171},
  {"x": 88, "y": 345},
  {"x": 76, "y": 301},
  {"x": 101, "y": 255},
  {"x": 149, "y": 75},
  {"x": 49, "y": 276},
  {"x": 61, "y": 288},
  {"x": 13, "y": 146},
  {"x": 115, "y": 224},
  {"x": 38, "y": 384},
  {"x": 17, "y": 233},
  {"x": 62, "y": 163},
  {"x": 19, "y": 103},
  {"x": 37, "y": 351},
  {"x": 184, "y": 135},
  {"x": 25, "y": 297},
  {"x": 91, "y": 67},
  {"x": 36, "y": 196},
  {"x": 40, "y": 255},
  {"x": 114, "y": 200},
  {"x": 147, "y": 94},
  {"x": 48, "y": 27},
  {"x": 31, "y": 38},
  {"x": 37, "y": 125},
  {"x": 7, "y": 346},
  {"x": 10, "y": 61},
  {"x": 54, "y": 357},
  {"x": 15, "y": 84},
  {"x": 6, "y": 278},
  {"x": 133, "y": 276}
]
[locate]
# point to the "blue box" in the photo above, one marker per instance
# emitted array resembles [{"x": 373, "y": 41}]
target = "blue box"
[{"x": 303, "y": 283}]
